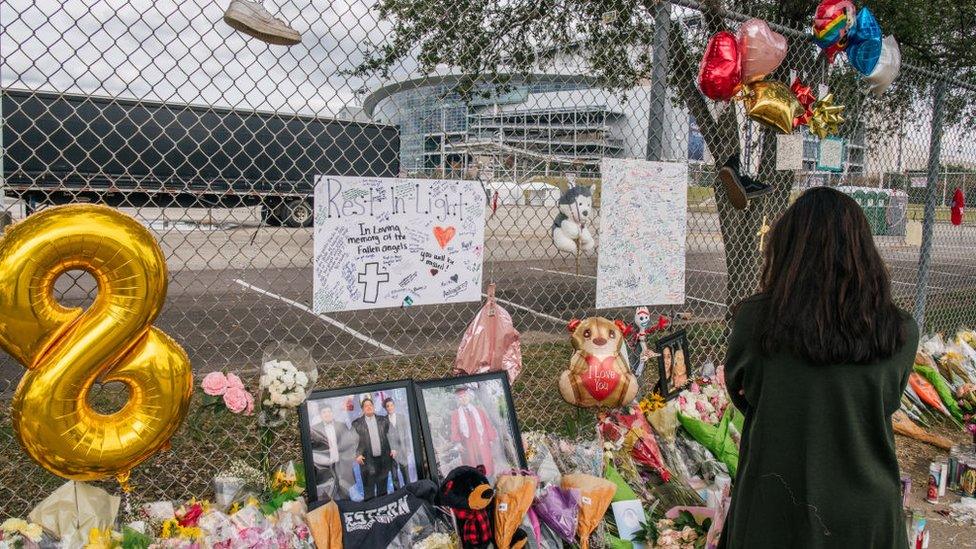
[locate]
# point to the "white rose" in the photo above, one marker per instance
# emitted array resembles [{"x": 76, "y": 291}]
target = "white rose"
[{"x": 301, "y": 379}]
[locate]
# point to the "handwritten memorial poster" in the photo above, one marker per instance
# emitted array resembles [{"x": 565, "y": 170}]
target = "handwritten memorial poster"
[
  {"x": 391, "y": 242},
  {"x": 643, "y": 210}
]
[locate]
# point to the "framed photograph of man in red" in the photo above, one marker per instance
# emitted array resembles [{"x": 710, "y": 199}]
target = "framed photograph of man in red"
[{"x": 470, "y": 420}]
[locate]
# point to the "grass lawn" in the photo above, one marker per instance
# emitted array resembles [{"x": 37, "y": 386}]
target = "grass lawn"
[{"x": 942, "y": 214}]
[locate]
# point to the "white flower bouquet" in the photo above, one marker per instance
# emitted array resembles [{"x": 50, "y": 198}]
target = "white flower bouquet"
[{"x": 287, "y": 377}]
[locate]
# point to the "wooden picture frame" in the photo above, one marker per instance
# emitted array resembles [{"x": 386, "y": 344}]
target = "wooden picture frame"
[
  {"x": 458, "y": 417},
  {"x": 340, "y": 475}
]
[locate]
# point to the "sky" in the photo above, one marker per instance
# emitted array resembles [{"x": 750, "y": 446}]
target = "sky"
[{"x": 182, "y": 51}]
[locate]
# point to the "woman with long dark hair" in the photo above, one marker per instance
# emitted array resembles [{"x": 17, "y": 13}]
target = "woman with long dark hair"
[{"x": 817, "y": 362}]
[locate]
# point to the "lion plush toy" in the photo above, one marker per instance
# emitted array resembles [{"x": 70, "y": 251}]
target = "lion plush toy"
[{"x": 598, "y": 375}]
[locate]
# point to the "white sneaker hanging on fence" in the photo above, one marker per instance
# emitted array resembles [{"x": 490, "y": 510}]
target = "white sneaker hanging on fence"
[{"x": 253, "y": 19}]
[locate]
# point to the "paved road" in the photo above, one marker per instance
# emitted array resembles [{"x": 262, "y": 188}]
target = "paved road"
[{"x": 236, "y": 288}]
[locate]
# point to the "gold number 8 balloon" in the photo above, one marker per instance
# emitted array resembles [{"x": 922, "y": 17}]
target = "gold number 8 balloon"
[{"x": 67, "y": 350}]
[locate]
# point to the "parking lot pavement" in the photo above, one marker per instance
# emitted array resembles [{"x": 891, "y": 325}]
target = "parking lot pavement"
[{"x": 236, "y": 287}]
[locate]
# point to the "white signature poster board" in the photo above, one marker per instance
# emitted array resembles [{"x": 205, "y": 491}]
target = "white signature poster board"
[
  {"x": 391, "y": 242},
  {"x": 831, "y": 154},
  {"x": 789, "y": 152},
  {"x": 643, "y": 216}
]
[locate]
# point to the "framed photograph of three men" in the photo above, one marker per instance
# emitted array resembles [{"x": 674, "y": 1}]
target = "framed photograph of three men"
[
  {"x": 360, "y": 442},
  {"x": 367, "y": 441}
]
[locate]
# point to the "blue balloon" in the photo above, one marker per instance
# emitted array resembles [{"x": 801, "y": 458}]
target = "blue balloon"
[{"x": 864, "y": 42}]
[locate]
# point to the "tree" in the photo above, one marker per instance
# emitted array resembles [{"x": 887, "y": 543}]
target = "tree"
[{"x": 491, "y": 40}]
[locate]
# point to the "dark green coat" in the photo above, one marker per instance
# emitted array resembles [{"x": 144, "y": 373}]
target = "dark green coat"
[{"x": 817, "y": 465}]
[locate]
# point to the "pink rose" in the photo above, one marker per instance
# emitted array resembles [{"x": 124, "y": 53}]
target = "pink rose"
[
  {"x": 214, "y": 383},
  {"x": 236, "y": 400},
  {"x": 234, "y": 381},
  {"x": 695, "y": 388}
]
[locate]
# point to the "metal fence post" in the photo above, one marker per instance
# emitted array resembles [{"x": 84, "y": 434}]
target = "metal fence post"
[
  {"x": 925, "y": 254},
  {"x": 659, "y": 82},
  {"x": 5, "y": 217}
]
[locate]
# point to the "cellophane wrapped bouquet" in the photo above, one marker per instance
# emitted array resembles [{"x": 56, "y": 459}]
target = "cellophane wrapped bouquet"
[
  {"x": 288, "y": 375},
  {"x": 428, "y": 528},
  {"x": 705, "y": 413}
]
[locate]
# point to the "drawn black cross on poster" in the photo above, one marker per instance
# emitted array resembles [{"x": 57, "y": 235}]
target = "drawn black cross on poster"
[{"x": 371, "y": 278}]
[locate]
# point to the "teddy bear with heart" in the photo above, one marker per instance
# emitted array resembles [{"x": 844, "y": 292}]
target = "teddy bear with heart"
[{"x": 598, "y": 374}]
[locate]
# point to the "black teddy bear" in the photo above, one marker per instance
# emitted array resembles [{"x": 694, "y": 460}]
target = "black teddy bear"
[{"x": 469, "y": 495}]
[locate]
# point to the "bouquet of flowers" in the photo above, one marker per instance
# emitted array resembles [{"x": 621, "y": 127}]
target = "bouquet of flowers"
[
  {"x": 226, "y": 392},
  {"x": 579, "y": 456},
  {"x": 630, "y": 430},
  {"x": 287, "y": 377},
  {"x": 683, "y": 531},
  {"x": 704, "y": 412},
  {"x": 704, "y": 400},
  {"x": 966, "y": 397},
  {"x": 236, "y": 483},
  {"x": 17, "y": 533}
]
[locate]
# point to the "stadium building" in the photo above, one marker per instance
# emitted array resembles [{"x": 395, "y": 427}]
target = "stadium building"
[{"x": 546, "y": 124}]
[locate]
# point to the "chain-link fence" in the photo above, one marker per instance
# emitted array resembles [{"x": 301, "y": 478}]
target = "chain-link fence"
[{"x": 212, "y": 140}]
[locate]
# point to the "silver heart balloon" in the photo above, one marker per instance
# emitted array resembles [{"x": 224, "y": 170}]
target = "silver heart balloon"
[{"x": 885, "y": 72}]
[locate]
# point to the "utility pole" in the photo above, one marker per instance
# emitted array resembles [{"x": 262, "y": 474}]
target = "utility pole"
[
  {"x": 659, "y": 82},
  {"x": 925, "y": 254}
]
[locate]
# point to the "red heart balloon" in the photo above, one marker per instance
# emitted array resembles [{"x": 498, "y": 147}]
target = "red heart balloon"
[{"x": 720, "y": 72}]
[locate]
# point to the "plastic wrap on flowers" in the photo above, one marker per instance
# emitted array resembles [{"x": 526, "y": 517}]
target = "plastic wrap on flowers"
[
  {"x": 428, "y": 528},
  {"x": 638, "y": 436},
  {"x": 288, "y": 375},
  {"x": 513, "y": 498},
  {"x": 595, "y": 496},
  {"x": 942, "y": 388},
  {"x": 237, "y": 483},
  {"x": 707, "y": 518},
  {"x": 665, "y": 422},
  {"x": 717, "y": 438},
  {"x": 558, "y": 508},
  {"x": 539, "y": 457},
  {"x": 581, "y": 456}
]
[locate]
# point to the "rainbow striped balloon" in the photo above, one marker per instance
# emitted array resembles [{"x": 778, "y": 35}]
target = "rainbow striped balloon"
[{"x": 833, "y": 20}]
